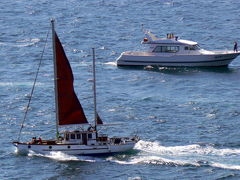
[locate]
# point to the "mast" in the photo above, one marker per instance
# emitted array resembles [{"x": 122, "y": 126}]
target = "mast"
[
  {"x": 94, "y": 90},
  {"x": 55, "y": 76}
]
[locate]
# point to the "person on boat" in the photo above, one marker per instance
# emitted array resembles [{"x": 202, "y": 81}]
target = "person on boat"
[
  {"x": 235, "y": 49},
  {"x": 34, "y": 140},
  {"x": 39, "y": 140}
]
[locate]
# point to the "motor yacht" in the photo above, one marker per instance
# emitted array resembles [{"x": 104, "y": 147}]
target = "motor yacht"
[{"x": 173, "y": 51}]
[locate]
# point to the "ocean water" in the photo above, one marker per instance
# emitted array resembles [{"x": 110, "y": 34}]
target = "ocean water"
[{"x": 187, "y": 118}]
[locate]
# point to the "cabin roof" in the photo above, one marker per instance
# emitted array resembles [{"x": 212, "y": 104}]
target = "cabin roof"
[
  {"x": 152, "y": 39},
  {"x": 187, "y": 42},
  {"x": 172, "y": 41}
]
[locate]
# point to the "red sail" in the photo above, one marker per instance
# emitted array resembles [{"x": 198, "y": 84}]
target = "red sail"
[
  {"x": 99, "y": 120},
  {"x": 69, "y": 108}
]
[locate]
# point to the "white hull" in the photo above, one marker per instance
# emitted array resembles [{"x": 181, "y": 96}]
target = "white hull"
[
  {"x": 74, "y": 149},
  {"x": 145, "y": 59}
]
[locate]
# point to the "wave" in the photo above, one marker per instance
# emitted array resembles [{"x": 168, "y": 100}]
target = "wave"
[
  {"x": 27, "y": 42},
  {"x": 154, "y": 160},
  {"x": 4, "y": 84},
  {"x": 21, "y": 43},
  {"x": 60, "y": 156},
  {"x": 226, "y": 166},
  {"x": 155, "y": 147},
  {"x": 189, "y": 155}
]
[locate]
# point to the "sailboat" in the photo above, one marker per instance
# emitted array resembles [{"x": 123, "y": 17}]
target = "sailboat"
[{"x": 84, "y": 140}]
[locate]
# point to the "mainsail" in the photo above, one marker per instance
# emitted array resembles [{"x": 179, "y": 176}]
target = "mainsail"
[{"x": 69, "y": 108}]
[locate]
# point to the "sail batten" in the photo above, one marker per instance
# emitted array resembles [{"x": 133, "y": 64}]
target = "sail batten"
[{"x": 69, "y": 108}]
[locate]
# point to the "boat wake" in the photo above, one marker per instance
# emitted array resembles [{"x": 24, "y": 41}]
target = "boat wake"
[
  {"x": 59, "y": 156},
  {"x": 189, "y": 155}
]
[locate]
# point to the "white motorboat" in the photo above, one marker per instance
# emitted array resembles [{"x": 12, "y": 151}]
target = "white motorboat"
[
  {"x": 83, "y": 140},
  {"x": 172, "y": 51}
]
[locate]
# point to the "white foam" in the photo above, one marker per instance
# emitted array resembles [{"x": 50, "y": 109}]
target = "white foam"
[
  {"x": 155, "y": 160},
  {"x": 148, "y": 67},
  {"x": 155, "y": 147},
  {"x": 154, "y": 153},
  {"x": 19, "y": 84},
  {"x": 60, "y": 156},
  {"x": 111, "y": 63},
  {"x": 226, "y": 166},
  {"x": 26, "y": 42}
]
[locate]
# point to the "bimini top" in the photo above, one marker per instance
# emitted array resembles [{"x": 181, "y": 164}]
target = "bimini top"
[{"x": 171, "y": 39}]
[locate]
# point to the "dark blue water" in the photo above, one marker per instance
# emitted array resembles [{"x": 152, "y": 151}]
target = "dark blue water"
[{"x": 187, "y": 118}]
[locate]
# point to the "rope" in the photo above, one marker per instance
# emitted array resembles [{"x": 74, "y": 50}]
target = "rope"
[{"x": 34, "y": 84}]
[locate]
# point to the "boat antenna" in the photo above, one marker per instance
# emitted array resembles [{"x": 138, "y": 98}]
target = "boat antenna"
[
  {"x": 94, "y": 90},
  {"x": 33, "y": 87},
  {"x": 55, "y": 76}
]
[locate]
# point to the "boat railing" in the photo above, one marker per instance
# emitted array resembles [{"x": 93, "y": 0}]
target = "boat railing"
[{"x": 136, "y": 53}]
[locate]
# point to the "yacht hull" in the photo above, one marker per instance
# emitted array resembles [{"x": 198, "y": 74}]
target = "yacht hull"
[
  {"x": 146, "y": 59},
  {"x": 74, "y": 149}
]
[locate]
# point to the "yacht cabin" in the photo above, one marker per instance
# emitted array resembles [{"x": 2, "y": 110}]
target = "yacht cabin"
[
  {"x": 170, "y": 44},
  {"x": 83, "y": 137}
]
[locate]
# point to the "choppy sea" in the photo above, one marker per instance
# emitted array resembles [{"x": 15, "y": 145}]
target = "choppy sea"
[{"x": 188, "y": 118}]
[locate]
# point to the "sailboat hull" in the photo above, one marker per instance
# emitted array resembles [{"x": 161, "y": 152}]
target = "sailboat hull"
[{"x": 74, "y": 149}]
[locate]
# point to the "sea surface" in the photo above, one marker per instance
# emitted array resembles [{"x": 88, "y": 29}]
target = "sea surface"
[{"x": 188, "y": 119}]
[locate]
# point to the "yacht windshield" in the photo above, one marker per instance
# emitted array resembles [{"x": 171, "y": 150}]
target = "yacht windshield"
[
  {"x": 197, "y": 47},
  {"x": 194, "y": 47}
]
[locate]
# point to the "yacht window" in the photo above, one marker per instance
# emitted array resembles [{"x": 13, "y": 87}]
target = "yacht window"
[
  {"x": 67, "y": 137},
  {"x": 195, "y": 47},
  {"x": 89, "y": 136},
  {"x": 168, "y": 49},
  {"x": 173, "y": 49},
  {"x": 191, "y": 48},
  {"x": 72, "y": 136},
  {"x": 78, "y": 136},
  {"x": 164, "y": 49},
  {"x": 158, "y": 49}
]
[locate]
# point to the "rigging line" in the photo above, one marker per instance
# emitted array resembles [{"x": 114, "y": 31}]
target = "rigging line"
[{"x": 34, "y": 83}]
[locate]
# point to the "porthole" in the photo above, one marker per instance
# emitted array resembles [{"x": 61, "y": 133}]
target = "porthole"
[
  {"x": 50, "y": 147},
  {"x": 29, "y": 146},
  {"x": 69, "y": 147}
]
